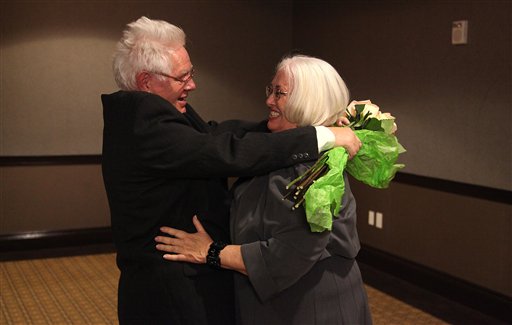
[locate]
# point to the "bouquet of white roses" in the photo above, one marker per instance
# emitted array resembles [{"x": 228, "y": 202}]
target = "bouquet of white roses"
[{"x": 321, "y": 188}]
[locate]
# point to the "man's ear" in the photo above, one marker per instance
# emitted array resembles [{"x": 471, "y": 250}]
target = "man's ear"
[{"x": 143, "y": 80}]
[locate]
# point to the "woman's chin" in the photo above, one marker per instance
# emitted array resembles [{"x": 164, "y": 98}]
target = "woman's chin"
[{"x": 273, "y": 126}]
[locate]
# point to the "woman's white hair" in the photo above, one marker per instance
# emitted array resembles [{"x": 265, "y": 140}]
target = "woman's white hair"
[
  {"x": 317, "y": 95},
  {"x": 146, "y": 45}
]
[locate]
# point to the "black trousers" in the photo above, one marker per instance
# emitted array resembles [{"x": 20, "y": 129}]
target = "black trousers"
[{"x": 166, "y": 294}]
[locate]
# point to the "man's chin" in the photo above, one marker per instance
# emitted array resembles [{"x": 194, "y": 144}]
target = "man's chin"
[{"x": 181, "y": 107}]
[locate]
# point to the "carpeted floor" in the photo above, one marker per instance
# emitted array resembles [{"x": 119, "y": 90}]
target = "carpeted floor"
[
  {"x": 82, "y": 290},
  {"x": 70, "y": 290}
]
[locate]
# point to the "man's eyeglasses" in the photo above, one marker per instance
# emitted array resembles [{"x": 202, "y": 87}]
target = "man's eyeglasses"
[
  {"x": 269, "y": 90},
  {"x": 183, "y": 81}
]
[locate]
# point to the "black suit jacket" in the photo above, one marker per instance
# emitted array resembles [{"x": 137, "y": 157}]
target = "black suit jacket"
[{"x": 161, "y": 167}]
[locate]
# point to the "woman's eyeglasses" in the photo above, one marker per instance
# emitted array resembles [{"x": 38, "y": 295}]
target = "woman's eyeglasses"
[{"x": 269, "y": 90}]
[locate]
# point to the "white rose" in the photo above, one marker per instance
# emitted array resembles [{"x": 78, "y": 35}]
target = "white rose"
[
  {"x": 385, "y": 116},
  {"x": 351, "y": 108},
  {"x": 370, "y": 108}
]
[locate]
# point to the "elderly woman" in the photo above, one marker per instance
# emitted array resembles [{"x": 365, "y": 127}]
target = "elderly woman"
[{"x": 286, "y": 273}]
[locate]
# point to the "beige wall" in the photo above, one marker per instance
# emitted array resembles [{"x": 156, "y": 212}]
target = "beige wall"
[
  {"x": 453, "y": 103},
  {"x": 56, "y": 61},
  {"x": 51, "y": 198}
]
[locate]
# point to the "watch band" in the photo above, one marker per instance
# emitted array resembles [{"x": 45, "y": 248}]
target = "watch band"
[{"x": 213, "y": 258}]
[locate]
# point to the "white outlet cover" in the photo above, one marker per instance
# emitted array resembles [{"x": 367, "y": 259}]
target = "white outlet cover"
[
  {"x": 379, "y": 220},
  {"x": 371, "y": 217}
]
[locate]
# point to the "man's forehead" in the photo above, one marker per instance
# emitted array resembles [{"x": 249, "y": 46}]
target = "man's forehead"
[{"x": 181, "y": 61}]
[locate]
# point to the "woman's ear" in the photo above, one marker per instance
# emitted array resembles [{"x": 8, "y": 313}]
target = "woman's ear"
[{"x": 143, "y": 80}]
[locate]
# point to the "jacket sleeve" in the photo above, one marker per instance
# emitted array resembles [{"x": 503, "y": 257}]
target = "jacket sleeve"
[
  {"x": 165, "y": 143},
  {"x": 289, "y": 251},
  {"x": 238, "y": 127}
]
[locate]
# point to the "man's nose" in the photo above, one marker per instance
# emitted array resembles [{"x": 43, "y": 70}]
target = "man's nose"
[{"x": 191, "y": 85}]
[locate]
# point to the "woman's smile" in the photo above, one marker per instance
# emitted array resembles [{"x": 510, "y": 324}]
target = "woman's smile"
[{"x": 274, "y": 114}]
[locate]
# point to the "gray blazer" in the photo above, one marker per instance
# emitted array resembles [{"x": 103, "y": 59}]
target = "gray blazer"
[
  {"x": 278, "y": 247},
  {"x": 295, "y": 276}
]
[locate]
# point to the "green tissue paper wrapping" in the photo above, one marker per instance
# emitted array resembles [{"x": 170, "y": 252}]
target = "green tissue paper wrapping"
[
  {"x": 375, "y": 165},
  {"x": 323, "y": 198}
]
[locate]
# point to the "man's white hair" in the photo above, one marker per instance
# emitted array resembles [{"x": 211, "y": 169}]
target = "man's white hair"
[{"x": 146, "y": 45}]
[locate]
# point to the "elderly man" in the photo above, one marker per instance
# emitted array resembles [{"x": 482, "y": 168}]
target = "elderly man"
[{"x": 162, "y": 164}]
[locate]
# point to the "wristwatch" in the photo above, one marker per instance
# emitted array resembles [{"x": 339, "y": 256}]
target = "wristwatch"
[{"x": 213, "y": 258}]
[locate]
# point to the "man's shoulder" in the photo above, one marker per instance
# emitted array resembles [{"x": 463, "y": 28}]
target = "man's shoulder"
[
  {"x": 139, "y": 103},
  {"x": 124, "y": 97}
]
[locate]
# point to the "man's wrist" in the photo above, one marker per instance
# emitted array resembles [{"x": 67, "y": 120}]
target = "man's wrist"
[{"x": 325, "y": 138}]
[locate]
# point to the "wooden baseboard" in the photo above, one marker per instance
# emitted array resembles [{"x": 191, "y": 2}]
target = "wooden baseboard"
[
  {"x": 50, "y": 160},
  {"x": 44, "y": 244},
  {"x": 486, "y": 301}
]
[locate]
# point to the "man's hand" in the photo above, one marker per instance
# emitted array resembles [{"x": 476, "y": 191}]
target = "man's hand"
[
  {"x": 346, "y": 138},
  {"x": 187, "y": 247}
]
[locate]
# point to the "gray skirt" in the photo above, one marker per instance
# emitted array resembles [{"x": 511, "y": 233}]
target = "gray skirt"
[{"x": 332, "y": 292}]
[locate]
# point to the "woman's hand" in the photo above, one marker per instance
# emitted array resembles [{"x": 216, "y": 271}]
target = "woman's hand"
[
  {"x": 187, "y": 247},
  {"x": 342, "y": 121}
]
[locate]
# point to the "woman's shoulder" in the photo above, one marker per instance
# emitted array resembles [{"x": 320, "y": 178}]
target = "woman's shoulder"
[
  {"x": 278, "y": 180},
  {"x": 301, "y": 168},
  {"x": 291, "y": 171}
]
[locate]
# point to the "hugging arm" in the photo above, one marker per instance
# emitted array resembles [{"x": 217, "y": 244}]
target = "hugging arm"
[
  {"x": 272, "y": 264},
  {"x": 166, "y": 144},
  {"x": 193, "y": 247}
]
